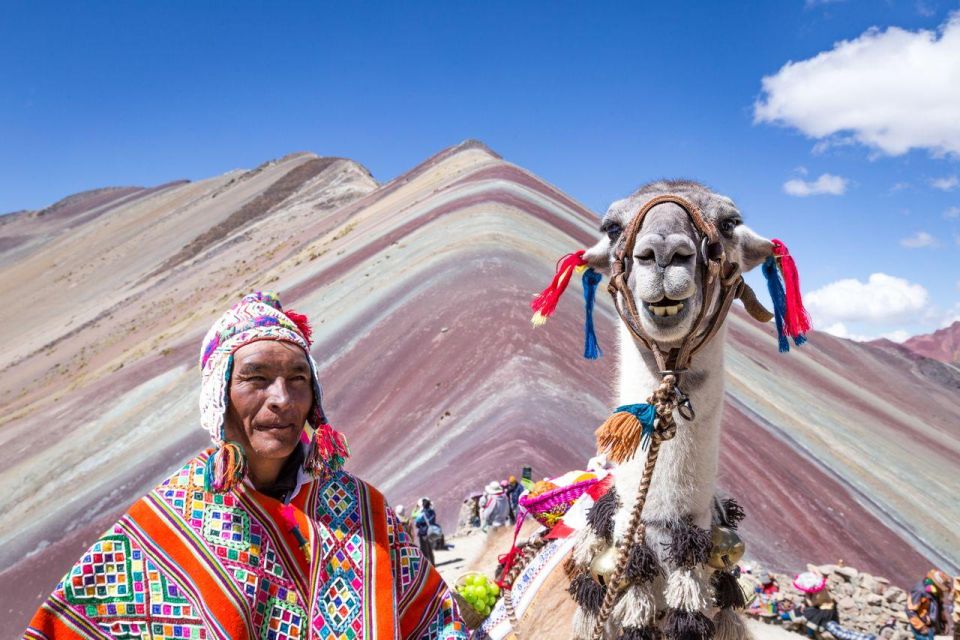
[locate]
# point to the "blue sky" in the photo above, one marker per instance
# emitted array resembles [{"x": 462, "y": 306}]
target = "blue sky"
[{"x": 594, "y": 97}]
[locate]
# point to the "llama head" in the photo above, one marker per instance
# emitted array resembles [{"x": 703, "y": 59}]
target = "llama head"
[{"x": 666, "y": 268}]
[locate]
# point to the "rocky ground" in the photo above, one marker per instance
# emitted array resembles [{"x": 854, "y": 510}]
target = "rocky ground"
[{"x": 865, "y": 602}]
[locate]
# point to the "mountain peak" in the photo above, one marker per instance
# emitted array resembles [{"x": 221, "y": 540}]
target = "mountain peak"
[{"x": 943, "y": 344}]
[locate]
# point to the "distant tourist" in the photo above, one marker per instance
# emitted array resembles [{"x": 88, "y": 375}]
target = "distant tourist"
[
  {"x": 514, "y": 489},
  {"x": 260, "y": 536},
  {"x": 404, "y": 519},
  {"x": 495, "y": 507},
  {"x": 925, "y": 606},
  {"x": 429, "y": 532},
  {"x": 820, "y": 613}
]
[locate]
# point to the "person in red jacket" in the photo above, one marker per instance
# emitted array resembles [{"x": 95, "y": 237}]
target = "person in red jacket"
[{"x": 925, "y": 606}]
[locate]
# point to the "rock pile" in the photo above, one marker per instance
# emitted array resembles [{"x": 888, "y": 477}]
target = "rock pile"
[{"x": 864, "y": 602}]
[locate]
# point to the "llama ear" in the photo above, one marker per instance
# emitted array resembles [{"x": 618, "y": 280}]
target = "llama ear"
[
  {"x": 598, "y": 256},
  {"x": 754, "y": 248}
]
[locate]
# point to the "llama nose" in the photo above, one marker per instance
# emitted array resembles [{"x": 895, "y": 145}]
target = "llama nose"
[{"x": 671, "y": 250}]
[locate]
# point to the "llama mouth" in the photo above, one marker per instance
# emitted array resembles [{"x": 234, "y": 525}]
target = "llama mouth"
[{"x": 666, "y": 310}]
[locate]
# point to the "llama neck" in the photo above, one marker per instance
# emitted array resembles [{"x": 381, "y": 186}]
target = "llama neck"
[{"x": 684, "y": 480}]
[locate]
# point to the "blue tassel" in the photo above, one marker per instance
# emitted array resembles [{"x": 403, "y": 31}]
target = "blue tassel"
[
  {"x": 646, "y": 414},
  {"x": 779, "y": 297},
  {"x": 591, "y": 349}
]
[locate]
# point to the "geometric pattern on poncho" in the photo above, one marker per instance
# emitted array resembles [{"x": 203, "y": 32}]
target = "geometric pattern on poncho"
[
  {"x": 128, "y": 595},
  {"x": 341, "y": 575},
  {"x": 131, "y": 583}
]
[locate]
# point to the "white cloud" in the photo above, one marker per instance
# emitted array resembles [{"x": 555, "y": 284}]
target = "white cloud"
[
  {"x": 900, "y": 186},
  {"x": 948, "y": 183},
  {"x": 891, "y": 90},
  {"x": 810, "y": 4},
  {"x": 919, "y": 240},
  {"x": 881, "y": 299},
  {"x": 825, "y": 184},
  {"x": 952, "y": 213},
  {"x": 839, "y": 330}
]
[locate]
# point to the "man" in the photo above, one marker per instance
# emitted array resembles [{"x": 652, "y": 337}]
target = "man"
[
  {"x": 925, "y": 606},
  {"x": 263, "y": 537},
  {"x": 426, "y": 518},
  {"x": 514, "y": 491}
]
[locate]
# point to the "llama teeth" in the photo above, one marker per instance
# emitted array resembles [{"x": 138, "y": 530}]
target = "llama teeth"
[
  {"x": 660, "y": 311},
  {"x": 671, "y": 311}
]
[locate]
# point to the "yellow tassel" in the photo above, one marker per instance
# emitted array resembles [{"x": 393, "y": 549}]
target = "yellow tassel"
[
  {"x": 538, "y": 319},
  {"x": 619, "y": 437}
]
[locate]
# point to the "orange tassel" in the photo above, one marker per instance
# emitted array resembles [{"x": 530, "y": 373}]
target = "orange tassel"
[{"x": 625, "y": 431}]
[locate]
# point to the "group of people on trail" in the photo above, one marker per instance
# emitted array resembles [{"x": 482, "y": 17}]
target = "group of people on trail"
[
  {"x": 932, "y": 607},
  {"x": 498, "y": 505}
]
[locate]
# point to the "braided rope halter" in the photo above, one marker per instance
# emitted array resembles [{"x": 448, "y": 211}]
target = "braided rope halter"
[{"x": 719, "y": 275}]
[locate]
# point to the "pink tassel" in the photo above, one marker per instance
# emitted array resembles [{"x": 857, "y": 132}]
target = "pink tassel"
[
  {"x": 290, "y": 522},
  {"x": 546, "y": 302},
  {"x": 796, "y": 320}
]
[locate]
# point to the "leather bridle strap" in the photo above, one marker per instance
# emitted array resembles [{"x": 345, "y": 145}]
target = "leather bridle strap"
[{"x": 717, "y": 272}]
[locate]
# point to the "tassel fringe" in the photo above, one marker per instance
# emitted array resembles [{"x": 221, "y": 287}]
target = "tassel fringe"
[
  {"x": 685, "y": 590},
  {"x": 648, "y": 632},
  {"x": 587, "y": 592},
  {"x": 225, "y": 468},
  {"x": 328, "y": 453},
  {"x": 730, "y": 626},
  {"x": 779, "y": 298},
  {"x": 797, "y": 320},
  {"x": 635, "y": 608},
  {"x": 591, "y": 349},
  {"x": 583, "y": 623},
  {"x": 689, "y": 545},
  {"x": 686, "y": 625},
  {"x": 546, "y": 302},
  {"x": 601, "y": 514},
  {"x": 727, "y": 593},
  {"x": 630, "y": 427},
  {"x": 733, "y": 513},
  {"x": 642, "y": 565}
]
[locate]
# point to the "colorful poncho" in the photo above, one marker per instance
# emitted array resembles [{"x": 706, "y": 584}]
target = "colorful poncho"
[{"x": 185, "y": 563}]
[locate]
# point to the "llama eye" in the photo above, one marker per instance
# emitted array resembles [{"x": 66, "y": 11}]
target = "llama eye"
[
  {"x": 613, "y": 230},
  {"x": 727, "y": 226}
]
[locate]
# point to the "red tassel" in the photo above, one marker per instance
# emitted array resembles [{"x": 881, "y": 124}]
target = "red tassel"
[
  {"x": 303, "y": 323},
  {"x": 546, "y": 303},
  {"x": 797, "y": 320}
]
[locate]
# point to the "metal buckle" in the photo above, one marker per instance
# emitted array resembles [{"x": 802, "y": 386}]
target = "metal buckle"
[{"x": 684, "y": 405}]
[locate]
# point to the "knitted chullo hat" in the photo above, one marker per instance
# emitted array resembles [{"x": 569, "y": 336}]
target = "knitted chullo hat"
[{"x": 258, "y": 316}]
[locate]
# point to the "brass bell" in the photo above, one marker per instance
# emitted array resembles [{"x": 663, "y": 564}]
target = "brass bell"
[
  {"x": 604, "y": 564},
  {"x": 727, "y": 547}
]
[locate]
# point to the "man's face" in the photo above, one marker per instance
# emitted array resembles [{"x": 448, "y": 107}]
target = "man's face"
[{"x": 271, "y": 394}]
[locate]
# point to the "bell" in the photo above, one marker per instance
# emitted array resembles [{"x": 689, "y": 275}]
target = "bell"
[
  {"x": 604, "y": 564},
  {"x": 727, "y": 547}
]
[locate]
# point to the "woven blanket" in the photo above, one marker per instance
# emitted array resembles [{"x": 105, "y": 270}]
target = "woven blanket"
[{"x": 497, "y": 626}]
